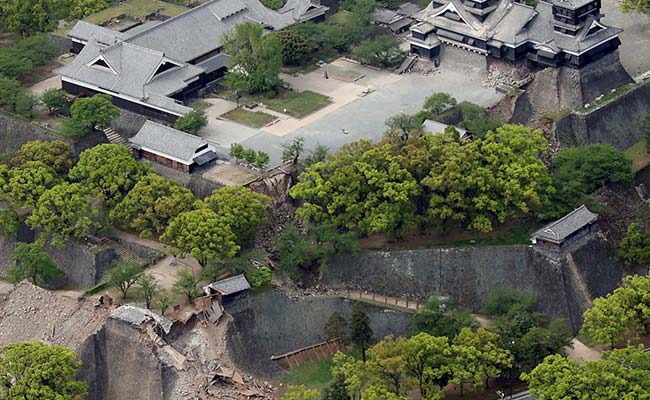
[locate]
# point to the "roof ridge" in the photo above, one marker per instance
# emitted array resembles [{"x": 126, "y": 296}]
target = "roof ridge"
[{"x": 169, "y": 127}]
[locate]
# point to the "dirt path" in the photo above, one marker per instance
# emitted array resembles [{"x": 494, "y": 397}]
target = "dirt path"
[{"x": 165, "y": 270}]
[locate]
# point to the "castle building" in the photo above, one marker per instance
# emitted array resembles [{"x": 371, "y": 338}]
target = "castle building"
[{"x": 551, "y": 33}]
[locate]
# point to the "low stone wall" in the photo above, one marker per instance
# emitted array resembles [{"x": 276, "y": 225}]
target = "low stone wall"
[
  {"x": 272, "y": 324},
  {"x": 64, "y": 43},
  {"x": 468, "y": 274},
  {"x": 617, "y": 123},
  {"x": 83, "y": 265}
]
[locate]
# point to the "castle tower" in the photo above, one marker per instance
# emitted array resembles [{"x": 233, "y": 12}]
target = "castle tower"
[{"x": 570, "y": 16}]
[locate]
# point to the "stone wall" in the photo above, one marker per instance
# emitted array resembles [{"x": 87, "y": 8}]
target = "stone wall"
[
  {"x": 272, "y": 324},
  {"x": 617, "y": 122},
  {"x": 64, "y": 43},
  {"x": 468, "y": 274},
  {"x": 15, "y": 132},
  {"x": 83, "y": 265}
]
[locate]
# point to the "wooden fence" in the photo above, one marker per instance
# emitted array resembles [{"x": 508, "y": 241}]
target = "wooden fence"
[
  {"x": 316, "y": 352},
  {"x": 402, "y": 304}
]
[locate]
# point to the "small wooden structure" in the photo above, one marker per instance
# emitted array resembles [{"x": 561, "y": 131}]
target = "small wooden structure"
[
  {"x": 227, "y": 288},
  {"x": 312, "y": 353},
  {"x": 557, "y": 235}
]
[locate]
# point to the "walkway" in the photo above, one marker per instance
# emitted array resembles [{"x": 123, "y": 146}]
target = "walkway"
[{"x": 397, "y": 303}]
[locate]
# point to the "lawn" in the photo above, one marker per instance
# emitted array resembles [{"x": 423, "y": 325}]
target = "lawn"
[
  {"x": 297, "y": 104},
  {"x": 314, "y": 375},
  {"x": 609, "y": 96},
  {"x": 640, "y": 157},
  {"x": 254, "y": 119},
  {"x": 136, "y": 8}
]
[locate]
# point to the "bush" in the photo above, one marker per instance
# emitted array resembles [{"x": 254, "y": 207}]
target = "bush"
[
  {"x": 74, "y": 129},
  {"x": 25, "y": 103},
  {"x": 8, "y": 90},
  {"x": 191, "y": 122},
  {"x": 503, "y": 300},
  {"x": 382, "y": 51},
  {"x": 477, "y": 121},
  {"x": 273, "y": 4},
  {"x": 259, "y": 277},
  {"x": 38, "y": 49},
  {"x": 295, "y": 47}
]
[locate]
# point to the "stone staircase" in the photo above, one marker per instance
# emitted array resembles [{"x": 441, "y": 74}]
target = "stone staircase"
[
  {"x": 122, "y": 252},
  {"x": 115, "y": 138}
]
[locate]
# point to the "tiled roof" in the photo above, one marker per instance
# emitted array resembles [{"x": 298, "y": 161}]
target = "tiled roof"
[
  {"x": 439, "y": 127},
  {"x": 230, "y": 285},
  {"x": 168, "y": 141},
  {"x": 564, "y": 227},
  {"x": 136, "y": 315}
]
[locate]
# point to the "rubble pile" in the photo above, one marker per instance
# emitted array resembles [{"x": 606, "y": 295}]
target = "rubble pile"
[
  {"x": 33, "y": 313},
  {"x": 514, "y": 75}
]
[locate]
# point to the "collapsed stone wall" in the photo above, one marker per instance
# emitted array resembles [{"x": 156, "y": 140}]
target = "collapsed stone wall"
[
  {"x": 272, "y": 324},
  {"x": 617, "y": 123},
  {"x": 468, "y": 274}
]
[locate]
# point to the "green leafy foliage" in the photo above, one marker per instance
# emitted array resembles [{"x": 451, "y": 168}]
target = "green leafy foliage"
[
  {"x": 110, "y": 169},
  {"x": 336, "y": 327},
  {"x": 316, "y": 155},
  {"x": 273, "y": 4},
  {"x": 151, "y": 204},
  {"x": 148, "y": 288},
  {"x": 363, "y": 188},
  {"x": 382, "y": 51},
  {"x": 293, "y": 150},
  {"x": 635, "y": 246},
  {"x": 38, "y": 49},
  {"x": 34, "y": 264},
  {"x": 578, "y": 171},
  {"x": 74, "y": 129},
  {"x": 56, "y": 100},
  {"x": 27, "y": 183},
  {"x": 477, "y": 121},
  {"x": 8, "y": 89},
  {"x": 27, "y": 17},
  {"x": 640, "y": 6},
  {"x": 124, "y": 275},
  {"x": 243, "y": 209},
  {"x": 404, "y": 125},
  {"x": 34, "y": 370},
  {"x": 94, "y": 112},
  {"x": 295, "y": 47},
  {"x": 502, "y": 300},
  {"x": 259, "y": 277},
  {"x": 65, "y": 211},
  {"x": 256, "y": 59},
  {"x": 360, "y": 331},
  {"x": 187, "y": 285},
  {"x": 25, "y": 103},
  {"x": 621, "y": 374},
  {"x": 438, "y": 103},
  {"x": 13, "y": 64},
  {"x": 191, "y": 122},
  {"x": 203, "y": 234},
  {"x": 301, "y": 393},
  {"x": 625, "y": 313},
  {"x": 82, "y": 8},
  {"x": 440, "y": 317},
  {"x": 55, "y": 154}
]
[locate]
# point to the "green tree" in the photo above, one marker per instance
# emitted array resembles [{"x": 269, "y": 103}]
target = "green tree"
[
  {"x": 203, "y": 234},
  {"x": 336, "y": 327},
  {"x": 293, "y": 150},
  {"x": 640, "y": 6},
  {"x": 295, "y": 47},
  {"x": 503, "y": 300},
  {"x": 316, "y": 155},
  {"x": 609, "y": 319},
  {"x": 404, "y": 125},
  {"x": 336, "y": 390},
  {"x": 163, "y": 300},
  {"x": 301, "y": 393},
  {"x": 191, "y": 122},
  {"x": 381, "y": 51},
  {"x": 378, "y": 392},
  {"x": 262, "y": 159},
  {"x": 273, "y": 4},
  {"x": 55, "y": 154},
  {"x": 74, "y": 129},
  {"x": 387, "y": 366},
  {"x": 352, "y": 371},
  {"x": 148, "y": 288},
  {"x": 28, "y": 182},
  {"x": 438, "y": 103},
  {"x": 256, "y": 59},
  {"x": 13, "y": 64},
  {"x": 83, "y": 8},
  {"x": 124, "y": 275},
  {"x": 34, "y": 370},
  {"x": 465, "y": 367},
  {"x": 491, "y": 358},
  {"x": 34, "y": 264},
  {"x": 152, "y": 203},
  {"x": 25, "y": 103},
  {"x": 440, "y": 317},
  {"x": 38, "y": 49},
  {"x": 294, "y": 251},
  {"x": 187, "y": 285},
  {"x": 237, "y": 151},
  {"x": 621, "y": 374},
  {"x": 27, "y": 17},
  {"x": 64, "y": 211},
  {"x": 362, "y": 189},
  {"x": 635, "y": 246},
  {"x": 428, "y": 359},
  {"x": 94, "y": 112},
  {"x": 243, "y": 209},
  {"x": 259, "y": 277},
  {"x": 8, "y": 90},
  {"x": 56, "y": 100},
  {"x": 250, "y": 156},
  {"x": 109, "y": 168},
  {"x": 360, "y": 331},
  {"x": 477, "y": 121}
]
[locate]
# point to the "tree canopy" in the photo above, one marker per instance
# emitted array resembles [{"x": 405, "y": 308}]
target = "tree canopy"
[
  {"x": 27, "y": 17},
  {"x": 640, "y": 6},
  {"x": 191, "y": 122},
  {"x": 27, "y": 183},
  {"x": 124, "y": 275},
  {"x": 203, "y": 234},
  {"x": 34, "y": 370},
  {"x": 34, "y": 264},
  {"x": 256, "y": 59},
  {"x": 55, "y": 154},
  {"x": 634, "y": 249},
  {"x": 65, "y": 211},
  {"x": 295, "y": 47},
  {"x": 94, "y": 112},
  {"x": 243, "y": 209},
  {"x": 621, "y": 374},
  {"x": 109, "y": 168},
  {"x": 151, "y": 204}
]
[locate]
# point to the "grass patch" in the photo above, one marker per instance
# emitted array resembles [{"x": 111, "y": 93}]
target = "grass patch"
[
  {"x": 254, "y": 119},
  {"x": 640, "y": 157},
  {"x": 297, "y": 104},
  {"x": 314, "y": 375},
  {"x": 136, "y": 8},
  {"x": 324, "y": 55},
  {"x": 199, "y": 105},
  {"x": 609, "y": 96}
]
